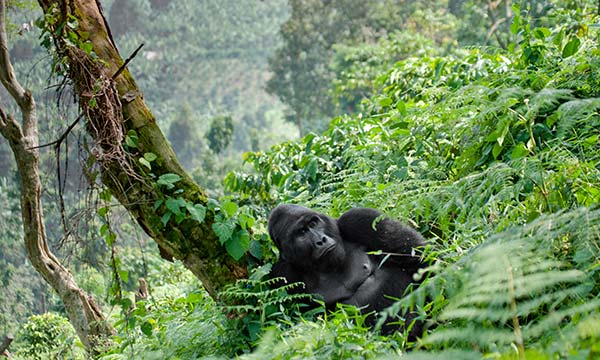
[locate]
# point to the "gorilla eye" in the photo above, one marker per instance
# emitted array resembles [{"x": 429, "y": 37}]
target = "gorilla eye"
[{"x": 313, "y": 222}]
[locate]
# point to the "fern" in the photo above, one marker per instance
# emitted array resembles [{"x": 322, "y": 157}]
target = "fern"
[
  {"x": 581, "y": 112},
  {"x": 514, "y": 290}
]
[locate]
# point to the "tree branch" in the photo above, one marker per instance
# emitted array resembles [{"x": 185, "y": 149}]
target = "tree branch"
[
  {"x": 134, "y": 54},
  {"x": 64, "y": 135}
]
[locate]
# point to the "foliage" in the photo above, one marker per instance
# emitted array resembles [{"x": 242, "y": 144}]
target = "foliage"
[
  {"x": 340, "y": 335},
  {"x": 256, "y": 304},
  {"x": 491, "y": 152},
  {"x": 493, "y": 155},
  {"x": 212, "y": 57},
  {"x": 220, "y": 133},
  {"x": 358, "y": 67},
  {"x": 300, "y": 74},
  {"x": 309, "y": 58},
  {"x": 48, "y": 336},
  {"x": 174, "y": 323}
]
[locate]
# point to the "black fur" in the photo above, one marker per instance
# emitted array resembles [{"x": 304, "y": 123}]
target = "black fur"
[{"x": 331, "y": 256}]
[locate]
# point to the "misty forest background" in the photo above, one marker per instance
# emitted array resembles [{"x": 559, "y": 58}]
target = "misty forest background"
[{"x": 475, "y": 121}]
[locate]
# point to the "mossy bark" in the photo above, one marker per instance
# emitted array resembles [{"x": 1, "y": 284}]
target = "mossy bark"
[{"x": 118, "y": 104}]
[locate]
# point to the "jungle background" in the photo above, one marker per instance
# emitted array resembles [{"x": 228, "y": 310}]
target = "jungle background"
[{"x": 475, "y": 121}]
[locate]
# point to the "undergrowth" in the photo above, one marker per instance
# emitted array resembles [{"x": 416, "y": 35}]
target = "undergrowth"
[{"x": 494, "y": 155}]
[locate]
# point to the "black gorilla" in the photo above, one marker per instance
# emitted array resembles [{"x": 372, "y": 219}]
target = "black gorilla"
[{"x": 331, "y": 257}]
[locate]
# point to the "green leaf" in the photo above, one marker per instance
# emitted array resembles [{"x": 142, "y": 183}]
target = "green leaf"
[
  {"x": 311, "y": 169},
  {"x": 197, "y": 212},
  {"x": 175, "y": 205},
  {"x": 229, "y": 207},
  {"x": 87, "y": 47},
  {"x": 110, "y": 239},
  {"x": 165, "y": 218},
  {"x": 223, "y": 230},
  {"x": 401, "y": 107},
  {"x": 157, "y": 204},
  {"x": 246, "y": 221},
  {"x": 497, "y": 150},
  {"x": 124, "y": 275},
  {"x": 105, "y": 195},
  {"x": 72, "y": 23},
  {"x": 519, "y": 151},
  {"x": 385, "y": 102},
  {"x": 256, "y": 249},
  {"x": 145, "y": 163},
  {"x": 571, "y": 47},
  {"x": 131, "y": 139},
  {"x": 516, "y": 24},
  {"x": 103, "y": 211},
  {"x": 125, "y": 303},
  {"x": 541, "y": 33},
  {"x": 150, "y": 157},
  {"x": 103, "y": 229},
  {"x": 146, "y": 328},
  {"x": 238, "y": 245},
  {"x": 168, "y": 180}
]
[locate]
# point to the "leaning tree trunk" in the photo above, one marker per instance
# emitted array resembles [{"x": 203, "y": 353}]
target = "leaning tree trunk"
[
  {"x": 114, "y": 107},
  {"x": 84, "y": 314}
]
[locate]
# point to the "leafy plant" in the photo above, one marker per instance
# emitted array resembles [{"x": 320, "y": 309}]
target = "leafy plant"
[
  {"x": 46, "y": 336},
  {"x": 256, "y": 304}
]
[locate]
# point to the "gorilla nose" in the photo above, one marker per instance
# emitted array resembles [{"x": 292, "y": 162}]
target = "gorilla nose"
[{"x": 322, "y": 241}]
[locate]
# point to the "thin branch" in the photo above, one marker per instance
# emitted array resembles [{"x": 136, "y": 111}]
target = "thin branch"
[
  {"x": 56, "y": 143},
  {"x": 134, "y": 54}
]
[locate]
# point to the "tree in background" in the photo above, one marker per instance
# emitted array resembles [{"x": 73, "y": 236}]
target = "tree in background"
[
  {"x": 302, "y": 72},
  {"x": 183, "y": 136},
  {"x": 488, "y": 22},
  {"x": 83, "y": 312},
  {"x": 210, "y": 54},
  {"x": 300, "y": 67},
  {"x": 220, "y": 134}
]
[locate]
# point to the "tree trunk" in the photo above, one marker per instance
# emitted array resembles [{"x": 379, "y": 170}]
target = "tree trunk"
[
  {"x": 114, "y": 107},
  {"x": 84, "y": 314}
]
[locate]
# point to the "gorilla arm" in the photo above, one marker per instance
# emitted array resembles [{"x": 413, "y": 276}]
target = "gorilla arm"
[{"x": 357, "y": 225}]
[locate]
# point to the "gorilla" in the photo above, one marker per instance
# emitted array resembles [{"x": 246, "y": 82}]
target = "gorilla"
[{"x": 361, "y": 259}]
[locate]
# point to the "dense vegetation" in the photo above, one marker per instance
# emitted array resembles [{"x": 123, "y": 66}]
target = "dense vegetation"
[{"x": 492, "y": 151}]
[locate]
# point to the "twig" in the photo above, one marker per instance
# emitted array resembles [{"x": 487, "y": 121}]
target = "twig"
[
  {"x": 127, "y": 62},
  {"x": 63, "y": 136}
]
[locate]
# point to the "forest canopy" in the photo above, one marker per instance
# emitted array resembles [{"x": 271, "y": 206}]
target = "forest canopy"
[{"x": 476, "y": 122}]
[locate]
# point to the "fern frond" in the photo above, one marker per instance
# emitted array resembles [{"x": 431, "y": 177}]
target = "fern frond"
[
  {"x": 571, "y": 114},
  {"x": 546, "y": 100}
]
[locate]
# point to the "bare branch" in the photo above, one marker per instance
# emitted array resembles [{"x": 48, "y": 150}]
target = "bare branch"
[
  {"x": 134, "y": 54},
  {"x": 58, "y": 142}
]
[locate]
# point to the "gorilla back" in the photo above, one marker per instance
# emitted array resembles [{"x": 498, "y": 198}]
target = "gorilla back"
[{"x": 334, "y": 260}]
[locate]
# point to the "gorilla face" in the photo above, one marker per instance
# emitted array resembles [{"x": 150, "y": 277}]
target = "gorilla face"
[{"x": 306, "y": 238}]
